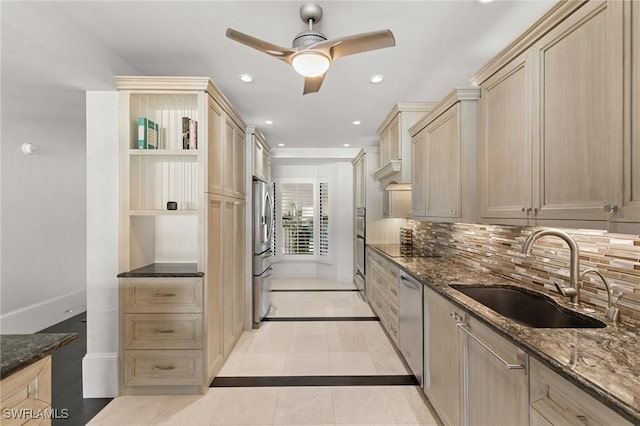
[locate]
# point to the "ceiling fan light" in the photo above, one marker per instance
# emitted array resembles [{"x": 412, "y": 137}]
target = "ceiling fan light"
[{"x": 310, "y": 64}]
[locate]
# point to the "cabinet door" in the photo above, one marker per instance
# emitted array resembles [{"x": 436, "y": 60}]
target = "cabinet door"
[
  {"x": 442, "y": 358},
  {"x": 578, "y": 121},
  {"x": 228, "y": 174},
  {"x": 239, "y": 268},
  {"x": 214, "y": 280},
  {"x": 495, "y": 394},
  {"x": 418, "y": 175},
  {"x": 395, "y": 139},
  {"x": 443, "y": 180},
  {"x": 258, "y": 160},
  {"x": 505, "y": 142},
  {"x": 630, "y": 211},
  {"x": 228, "y": 274},
  {"x": 239, "y": 163},
  {"x": 215, "y": 147},
  {"x": 267, "y": 168}
]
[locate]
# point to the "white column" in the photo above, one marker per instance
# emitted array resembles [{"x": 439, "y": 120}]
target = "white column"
[{"x": 100, "y": 365}]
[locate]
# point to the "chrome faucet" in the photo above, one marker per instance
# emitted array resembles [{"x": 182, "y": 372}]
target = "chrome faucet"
[
  {"x": 612, "y": 313},
  {"x": 573, "y": 293}
]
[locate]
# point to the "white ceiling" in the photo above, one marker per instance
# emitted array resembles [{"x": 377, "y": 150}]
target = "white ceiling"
[{"x": 440, "y": 44}]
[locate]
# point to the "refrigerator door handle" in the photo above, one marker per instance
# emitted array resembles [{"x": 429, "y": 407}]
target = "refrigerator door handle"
[{"x": 267, "y": 273}]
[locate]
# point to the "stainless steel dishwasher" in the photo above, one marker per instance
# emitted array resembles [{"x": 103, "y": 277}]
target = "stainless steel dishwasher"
[{"x": 411, "y": 324}]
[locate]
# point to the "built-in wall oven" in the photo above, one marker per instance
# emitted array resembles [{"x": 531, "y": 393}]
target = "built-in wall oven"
[{"x": 360, "y": 243}]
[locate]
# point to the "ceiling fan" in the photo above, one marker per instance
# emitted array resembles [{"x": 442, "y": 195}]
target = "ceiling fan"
[{"x": 311, "y": 53}]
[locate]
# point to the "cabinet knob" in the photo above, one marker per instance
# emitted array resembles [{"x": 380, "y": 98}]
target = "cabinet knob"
[
  {"x": 610, "y": 209},
  {"x": 524, "y": 209}
]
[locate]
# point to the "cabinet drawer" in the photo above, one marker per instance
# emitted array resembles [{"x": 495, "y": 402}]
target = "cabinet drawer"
[
  {"x": 163, "y": 331},
  {"x": 560, "y": 402},
  {"x": 158, "y": 295},
  {"x": 148, "y": 368},
  {"x": 394, "y": 331},
  {"x": 394, "y": 293}
]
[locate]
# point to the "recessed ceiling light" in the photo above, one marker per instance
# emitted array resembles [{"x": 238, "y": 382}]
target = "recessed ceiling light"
[
  {"x": 485, "y": 1},
  {"x": 346, "y": 144},
  {"x": 247, "y": 78},
  {"x": 280, "y": 144},
  {"x": 268, "y": 121},
  {"x": 375, "y": 79},
  {"x": 357, "y": 122}
]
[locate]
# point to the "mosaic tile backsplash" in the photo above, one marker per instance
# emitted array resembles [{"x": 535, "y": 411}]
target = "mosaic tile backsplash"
[{"x": 497, "y": 249}]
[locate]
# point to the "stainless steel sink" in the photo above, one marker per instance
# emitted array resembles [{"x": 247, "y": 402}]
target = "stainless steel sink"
[{"x": 527, "y": 308}]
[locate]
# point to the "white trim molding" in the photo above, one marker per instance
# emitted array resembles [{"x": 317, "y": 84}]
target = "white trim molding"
[
  {"x": 33, "y": 318},
  {"x": 100, "y": 375}
]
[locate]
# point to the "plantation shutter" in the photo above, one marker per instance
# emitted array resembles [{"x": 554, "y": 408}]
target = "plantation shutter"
[
  {"x": 297, "y": 218},
  {"x": 324, "y": 219}
]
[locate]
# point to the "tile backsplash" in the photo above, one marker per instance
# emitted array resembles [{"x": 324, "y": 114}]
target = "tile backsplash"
[{"x": 497, "y": 249}]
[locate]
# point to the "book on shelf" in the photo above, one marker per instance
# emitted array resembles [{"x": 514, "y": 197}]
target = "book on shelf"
[
  {"x": 189, "y": 133},
  {"x": 147, "y": 133}
]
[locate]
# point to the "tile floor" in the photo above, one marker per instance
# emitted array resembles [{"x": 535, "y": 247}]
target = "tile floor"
[{"x": 294, "y": 348}]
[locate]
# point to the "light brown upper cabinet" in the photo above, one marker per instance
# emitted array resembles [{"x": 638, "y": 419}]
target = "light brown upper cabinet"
[
  {"x": 444, "y": 156},
  {"x": 630, "y": 210},
  {"x": 505, "y": 153},
  {"x": 261, "y": 155},
  {"x": 556, "y": 112},
  {"x": 226, "y": 174},
  {"x": 395, "y": 141},
  {"x": 577, "y": 114}
]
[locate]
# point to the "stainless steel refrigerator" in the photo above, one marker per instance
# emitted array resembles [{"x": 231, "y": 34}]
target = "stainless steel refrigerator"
[{"x": 262, "y": 242}]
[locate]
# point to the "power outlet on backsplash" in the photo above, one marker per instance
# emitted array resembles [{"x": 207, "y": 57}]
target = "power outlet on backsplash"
[{"x": 497, "y": 249}]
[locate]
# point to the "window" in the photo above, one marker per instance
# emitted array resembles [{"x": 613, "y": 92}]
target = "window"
[
  {"x": 297, "y": 218},
  {"x": 324, "y": 219},
  {"x": 304, "y": 219}
]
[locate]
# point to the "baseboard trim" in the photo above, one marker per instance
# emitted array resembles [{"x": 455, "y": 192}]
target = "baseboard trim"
[
  {"x": 41, "y": 315},
  {"x": 100, "y": 375}
]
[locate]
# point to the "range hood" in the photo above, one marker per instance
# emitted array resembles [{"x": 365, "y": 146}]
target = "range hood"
[{"x": 396, "y": 200}]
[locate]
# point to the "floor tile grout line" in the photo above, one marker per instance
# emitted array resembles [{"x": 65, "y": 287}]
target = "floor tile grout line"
[
  {"x": 313, "y": 381},
  {"x": 313, "y": 290},
  {"x": 319, "y": 319}
]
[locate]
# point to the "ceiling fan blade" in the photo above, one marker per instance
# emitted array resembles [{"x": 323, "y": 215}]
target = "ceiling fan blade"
[
  {"x": 312, "y": 84},
  {"x": 282, "y": 53},
  {"x": 350, "y": 45}
]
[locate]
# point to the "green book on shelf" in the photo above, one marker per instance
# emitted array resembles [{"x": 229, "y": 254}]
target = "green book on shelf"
[{"x": 147, "y": 134}]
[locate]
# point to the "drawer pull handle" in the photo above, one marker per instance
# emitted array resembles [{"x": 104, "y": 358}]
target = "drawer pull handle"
[
  {"x": 464, "y": 327},
  {"x": 394, "y": 310},
  {"x": 159, "y": 331},
  {"x": 164, "y": 294},
  {"x": 164, "y": 367},
  {"x": 393, "y": 290}
]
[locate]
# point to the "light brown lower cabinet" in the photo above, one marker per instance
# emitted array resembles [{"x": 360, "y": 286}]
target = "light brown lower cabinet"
[
  {"x": 442, "y": 358},
  {"x": 476, "y": 377},
  {"x": 28, "y": 392},
  {"x": 497, "y": 385},
  {"x": 555, "y": 401}
]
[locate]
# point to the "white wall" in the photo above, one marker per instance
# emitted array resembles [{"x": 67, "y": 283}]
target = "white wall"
[
  {"x": 43, "y": 195},
  {"x": 339, "y": 174}
]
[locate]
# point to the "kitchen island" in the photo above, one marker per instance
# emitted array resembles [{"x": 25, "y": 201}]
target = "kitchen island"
[{"x": 602, "y": 362}]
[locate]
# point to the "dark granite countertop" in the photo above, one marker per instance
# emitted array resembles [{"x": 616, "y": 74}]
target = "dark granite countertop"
[
  {"x": 603, "y": 362},
  {"x": 164, "y": 270},
  {"x": 18, "y": 351}
]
